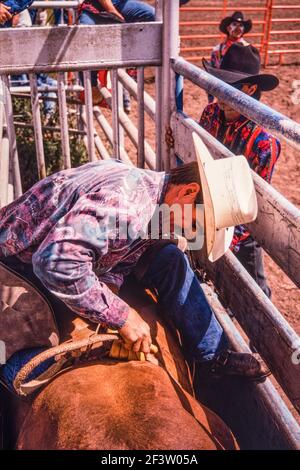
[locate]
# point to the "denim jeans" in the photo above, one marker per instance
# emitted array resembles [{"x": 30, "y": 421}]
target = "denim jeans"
[
  {"x": 132, "y": 11},
  {"x": 44, "y": 79},
  {"x": 182, "y": 301},
  {"x": 251, "y": 257}
]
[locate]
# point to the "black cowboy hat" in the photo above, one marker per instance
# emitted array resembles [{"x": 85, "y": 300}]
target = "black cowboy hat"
[
  {"x": 241, "y": 64},
  {"x": 237, "y": 16}
]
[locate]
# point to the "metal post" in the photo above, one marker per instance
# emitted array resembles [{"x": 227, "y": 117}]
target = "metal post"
[
  {"x": 37, "y": 123},
  {"x": 268, "y": 32},
  {"x": 121, "y": 106},
  {"x": 158, "y": 97},
  {"x": 12, "y": 138},
  {"x": 141, "y": 118},
  {"x": 170, "y": 50},
  {"x": 89, "y": 115},
  {"x": 63, "y": 118},
  {"x": 115, "y": 114}
]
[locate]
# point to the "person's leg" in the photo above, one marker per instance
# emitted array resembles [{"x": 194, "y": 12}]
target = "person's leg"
[
  {"x": 9, "y": 371},
  {"x": 89, "y": 18},
  {"x": 134, "y": 11},
  {"x": 182, "y": 300},
  {"x": 49, "y": 106},
  {"x": 251, "y": 257}
]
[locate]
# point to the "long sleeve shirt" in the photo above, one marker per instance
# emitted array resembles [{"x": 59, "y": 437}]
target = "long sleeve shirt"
[
  {"x": 82, "y": 229},
  {"x": 243, "y": 137}
]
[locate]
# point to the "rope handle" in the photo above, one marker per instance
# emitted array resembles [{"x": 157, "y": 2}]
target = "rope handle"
[{"x": 117, "y": 351}]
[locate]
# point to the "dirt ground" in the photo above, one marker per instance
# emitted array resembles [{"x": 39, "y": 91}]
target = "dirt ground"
[{"x": 286, "y": 179}]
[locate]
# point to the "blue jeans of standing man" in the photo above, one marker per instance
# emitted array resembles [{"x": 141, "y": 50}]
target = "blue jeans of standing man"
[{"x": 182, "y": 301}]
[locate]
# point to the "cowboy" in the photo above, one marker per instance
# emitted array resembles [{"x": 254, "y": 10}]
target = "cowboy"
[
  {"x": 234, "y": 27},
  {"x": 77, "y": 234},
  {"x": 240, "y": 68}
]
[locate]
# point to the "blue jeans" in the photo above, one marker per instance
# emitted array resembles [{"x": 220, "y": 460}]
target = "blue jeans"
[
  {"x": 182, "y": 301},
  {"x": 44, "y": 79},
  {"x": 132, "y": 11}
]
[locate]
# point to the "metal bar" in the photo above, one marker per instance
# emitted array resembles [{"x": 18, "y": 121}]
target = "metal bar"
[
  {"x": 107, "y": 129},
  {"x": 270, "y": 119},
  {"x": 17, "y": 184},
  {"x": 48, "y": 128},
  {"x": 115, "y": 114},
  {"x": 44, "y": 88},
  {"x": 131, "y": 86},
  {"x": 170, "y": 50},
  {"x": 277, "y": 410},
  {"x": 103, "y": 153},
  {"x": 63, "y": 119},
  {"x": 45, "y": 98},
  {"x": 208, "y": 23},
  {"x": 141, "y": 119},
  {"x": 131, "y": 131},
  {"x": 4, "y": 171},
  {"x": 89, "y": 115},
  {"x": 37, "y": 125},
  {"x": 55, "y": 4},
  {"x": 211, "y": 36},
  {"x": 158, "y": 98},
  {"x": 62, "y": 49},
  {"x": 121, "y": 106},
  {"x": 195, "y": 9}
]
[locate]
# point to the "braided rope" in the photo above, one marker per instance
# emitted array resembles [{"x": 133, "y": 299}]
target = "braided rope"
[{"x": 61, "y": 349}]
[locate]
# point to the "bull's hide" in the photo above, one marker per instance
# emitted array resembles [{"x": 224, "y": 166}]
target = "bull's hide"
[{"x": 26, "y": 319}]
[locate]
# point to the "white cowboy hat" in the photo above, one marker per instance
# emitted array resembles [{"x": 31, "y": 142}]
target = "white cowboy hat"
[{"x": 229, "y": 197}]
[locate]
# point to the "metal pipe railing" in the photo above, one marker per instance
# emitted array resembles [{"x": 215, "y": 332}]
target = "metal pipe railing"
[{"x": 270, "y": 119}]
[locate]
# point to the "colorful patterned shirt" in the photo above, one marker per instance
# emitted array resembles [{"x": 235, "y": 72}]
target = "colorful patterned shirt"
[
  {"x": 243, "y": 137},
  {"x": 68, "y": 226},
  {"x": 220, "y": 50}
]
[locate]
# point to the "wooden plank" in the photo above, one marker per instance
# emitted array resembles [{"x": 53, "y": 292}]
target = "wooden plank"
[
  {"x": 4, "y": 171},
  {"x": 277, "y": 227},
  {"x": 263, "y": 411},
  {"x": 79, "y": 47},
  {"x": 263, "y": 323}
]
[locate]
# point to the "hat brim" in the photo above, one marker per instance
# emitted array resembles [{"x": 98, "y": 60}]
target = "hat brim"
[
  {"x": 217, "y": 241},
  {"x": 229, "y": 19},
  {"x": 265, "y": 81}
]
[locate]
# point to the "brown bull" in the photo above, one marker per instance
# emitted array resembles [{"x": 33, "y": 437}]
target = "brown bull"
[{"x": 125, "y": 405}]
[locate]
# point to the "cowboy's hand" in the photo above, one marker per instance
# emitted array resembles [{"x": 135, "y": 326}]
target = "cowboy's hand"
[
  {"x": 4, "y": 13},
  {"x": 136, "y": 333}
]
